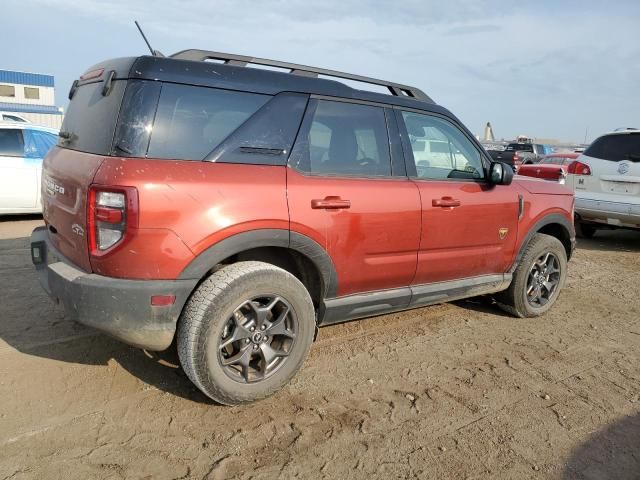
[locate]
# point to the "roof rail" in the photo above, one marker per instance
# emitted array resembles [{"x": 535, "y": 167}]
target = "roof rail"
[{"x": 396, "y": 89}]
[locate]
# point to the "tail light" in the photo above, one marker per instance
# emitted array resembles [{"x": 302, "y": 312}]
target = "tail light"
[
  {"x": 112, "y": 212},
  {"x": 579, "y": 168},
  {"x": 516, "y": 158}
]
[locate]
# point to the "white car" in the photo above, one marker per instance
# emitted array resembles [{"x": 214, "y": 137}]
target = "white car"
[
  {"x": 22, "y": 149},
  {"x": 606, "y": 179}
]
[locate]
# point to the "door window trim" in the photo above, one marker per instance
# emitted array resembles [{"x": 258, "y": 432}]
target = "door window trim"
[
  {"x": 412, "y": 172},
  {"x": 307, "y": 119}
]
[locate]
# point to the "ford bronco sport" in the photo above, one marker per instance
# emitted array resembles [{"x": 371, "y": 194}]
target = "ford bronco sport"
[{"x": 236, "y": 209}]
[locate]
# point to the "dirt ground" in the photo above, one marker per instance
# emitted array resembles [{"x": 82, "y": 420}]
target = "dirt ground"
[{"x": 452, "y": 391}]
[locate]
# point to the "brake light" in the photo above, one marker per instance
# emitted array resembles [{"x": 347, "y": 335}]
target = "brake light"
[
  {"x": 111, "y": 214},
  {"x": 578, "y": 168},
  {"x": 516, "y": 157}
]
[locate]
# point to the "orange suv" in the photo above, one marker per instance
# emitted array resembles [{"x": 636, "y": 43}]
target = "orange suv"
[{"x": 236, "y": 209}]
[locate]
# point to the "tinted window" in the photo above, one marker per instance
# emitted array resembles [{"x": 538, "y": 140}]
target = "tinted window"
[
  {"x": 616, "y": 147},
  {"x": 37, "y": 143},
  {"x": 91, "y": 118},
  {"x": 135, "y": 123},
  {"x": 343, "y": 139},
  {"x": 191, "y": 121},
  {"x": 440, "y": 150},
  {"x": 11, "y": 142}
]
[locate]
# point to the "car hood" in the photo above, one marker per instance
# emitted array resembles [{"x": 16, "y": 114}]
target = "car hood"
[{"x": 540, "y": 186}]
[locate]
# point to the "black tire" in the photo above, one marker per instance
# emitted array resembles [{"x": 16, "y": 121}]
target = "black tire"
[
  {"x": 232, "y": 302},
  {"x": 584, "y": 230},
  {"x": 519, "y": 300}
]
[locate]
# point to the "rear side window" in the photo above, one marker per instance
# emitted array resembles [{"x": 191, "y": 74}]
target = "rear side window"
[
  {"x": 191, "y": 121},
  {"x": 90, "y": 121},
  {"x": 343, "y": 139},
  {"x": 11, "y": 142},
  {"x": 554, "y": 160},
  {"x": 616, "y": 147}
]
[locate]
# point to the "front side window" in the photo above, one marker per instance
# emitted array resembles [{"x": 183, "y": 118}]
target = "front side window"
[
  {"x": 440, "y": 150},
  {"x": 11, "y": 142},
  {"x": 7, "y": 91},
  {"x": 340, "y": 138},
  {"x": 191, "y": 121}
]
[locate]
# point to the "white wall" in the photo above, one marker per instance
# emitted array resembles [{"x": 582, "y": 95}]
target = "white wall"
[{"x": 46, "y": 95}]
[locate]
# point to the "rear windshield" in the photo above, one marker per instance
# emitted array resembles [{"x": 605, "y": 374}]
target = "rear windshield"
[
  {"x": 616, "y": 147},
  {"x": 519, "y": 147},
  {"x": 91, "y": 118}
]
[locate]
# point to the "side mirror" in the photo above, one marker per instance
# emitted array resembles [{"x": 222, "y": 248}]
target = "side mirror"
[{"x": 500, "y": 173}]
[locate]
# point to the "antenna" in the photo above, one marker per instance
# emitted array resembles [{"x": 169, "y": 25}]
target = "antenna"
[{"x": 155, "y": 53}]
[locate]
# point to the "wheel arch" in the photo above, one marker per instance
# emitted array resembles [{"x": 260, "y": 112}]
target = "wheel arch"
[
  {"x": 292, "y": 251},
  {"x": 555, "y": 225}
]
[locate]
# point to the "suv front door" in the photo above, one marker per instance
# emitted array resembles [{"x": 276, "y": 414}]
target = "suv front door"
[
  {"x": 347, "y": 189},
  {"x": 469, "y": 226}
]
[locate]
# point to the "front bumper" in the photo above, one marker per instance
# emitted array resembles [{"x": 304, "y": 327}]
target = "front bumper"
[
  {"x": 120, "y": 308},
  {"x": 612, "y": 213}
]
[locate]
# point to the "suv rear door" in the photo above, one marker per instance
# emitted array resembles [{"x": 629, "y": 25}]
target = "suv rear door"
[
  {"x": 347, "y": 189},
  {"x": 469, "y": 227},
  {"x": 614, "y": 161},
  {"x": 85, "y": 138}
]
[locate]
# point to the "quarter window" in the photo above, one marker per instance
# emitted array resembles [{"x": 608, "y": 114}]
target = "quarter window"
[
  {"x": 440, "y": 150},
  {"x": 343, "y": 139},
  {"x": 191, "y": 121}
]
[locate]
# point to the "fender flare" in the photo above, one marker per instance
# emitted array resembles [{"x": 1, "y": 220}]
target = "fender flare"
[
  {"x": 240, "y": 242},
  {"x": 544, "y": 221}
]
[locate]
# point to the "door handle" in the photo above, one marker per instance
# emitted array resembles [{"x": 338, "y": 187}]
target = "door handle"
[
  {"x": 445, "y": 202},
  {"x": 330, "y": 203}
]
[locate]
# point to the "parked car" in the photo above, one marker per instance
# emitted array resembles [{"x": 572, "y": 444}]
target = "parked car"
[
  {"x": 12, "y": 117},
  {"x": 516, "y": 154},
  {"x": 607, "y": 183},
  {"x": 554, "y": 167},
  {"x": 22, "y": 148},
  {"x": 238, "y": 209}
]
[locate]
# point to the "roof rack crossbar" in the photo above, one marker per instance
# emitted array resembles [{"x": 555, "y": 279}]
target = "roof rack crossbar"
[{"x": 395, "y": 89}]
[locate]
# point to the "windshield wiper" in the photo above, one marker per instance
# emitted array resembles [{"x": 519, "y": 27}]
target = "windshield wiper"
[{"x": 122, "y": 148}]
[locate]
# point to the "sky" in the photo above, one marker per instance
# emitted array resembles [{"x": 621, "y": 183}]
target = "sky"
[{"x": 568, "y": 69}]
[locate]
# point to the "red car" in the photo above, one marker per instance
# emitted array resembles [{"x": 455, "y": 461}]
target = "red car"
[
  {"x": 237, "y": 209},
  {"x": 551, "y": 167}
]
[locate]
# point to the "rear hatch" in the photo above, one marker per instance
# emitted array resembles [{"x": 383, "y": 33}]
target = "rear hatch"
[
  {"x": 86, "y": 137},
  {"x": 614, "y": 161}
]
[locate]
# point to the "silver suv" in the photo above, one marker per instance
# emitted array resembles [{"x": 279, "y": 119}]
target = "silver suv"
[{"x": 607, "y": 184}]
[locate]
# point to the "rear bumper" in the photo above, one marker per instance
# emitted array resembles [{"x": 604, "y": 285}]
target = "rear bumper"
[
  {"x": 611, "y": 213},
  {"x": 120, "y": 308}
]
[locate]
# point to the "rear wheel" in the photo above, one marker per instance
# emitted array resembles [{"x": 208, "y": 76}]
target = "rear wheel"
[
  {"x": 585, "y": 230},
  {"x": 245, "y": 332},
  {"x": 538, "y": 278}
]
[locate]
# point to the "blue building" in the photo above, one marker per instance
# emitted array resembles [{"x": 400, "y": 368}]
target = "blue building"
[{"x": 29, "y": 96}]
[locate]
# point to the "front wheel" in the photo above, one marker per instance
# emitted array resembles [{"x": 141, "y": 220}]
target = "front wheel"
[
  {"x": 538, "y": 278},
  {"x": 245, "y": 332}
]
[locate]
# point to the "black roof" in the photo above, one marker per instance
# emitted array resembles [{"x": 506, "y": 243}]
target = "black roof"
[{"x": 188, "y": 67}]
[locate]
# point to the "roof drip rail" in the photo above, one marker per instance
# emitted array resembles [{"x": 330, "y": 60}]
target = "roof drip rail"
[{"x": 395, "y": 89}]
